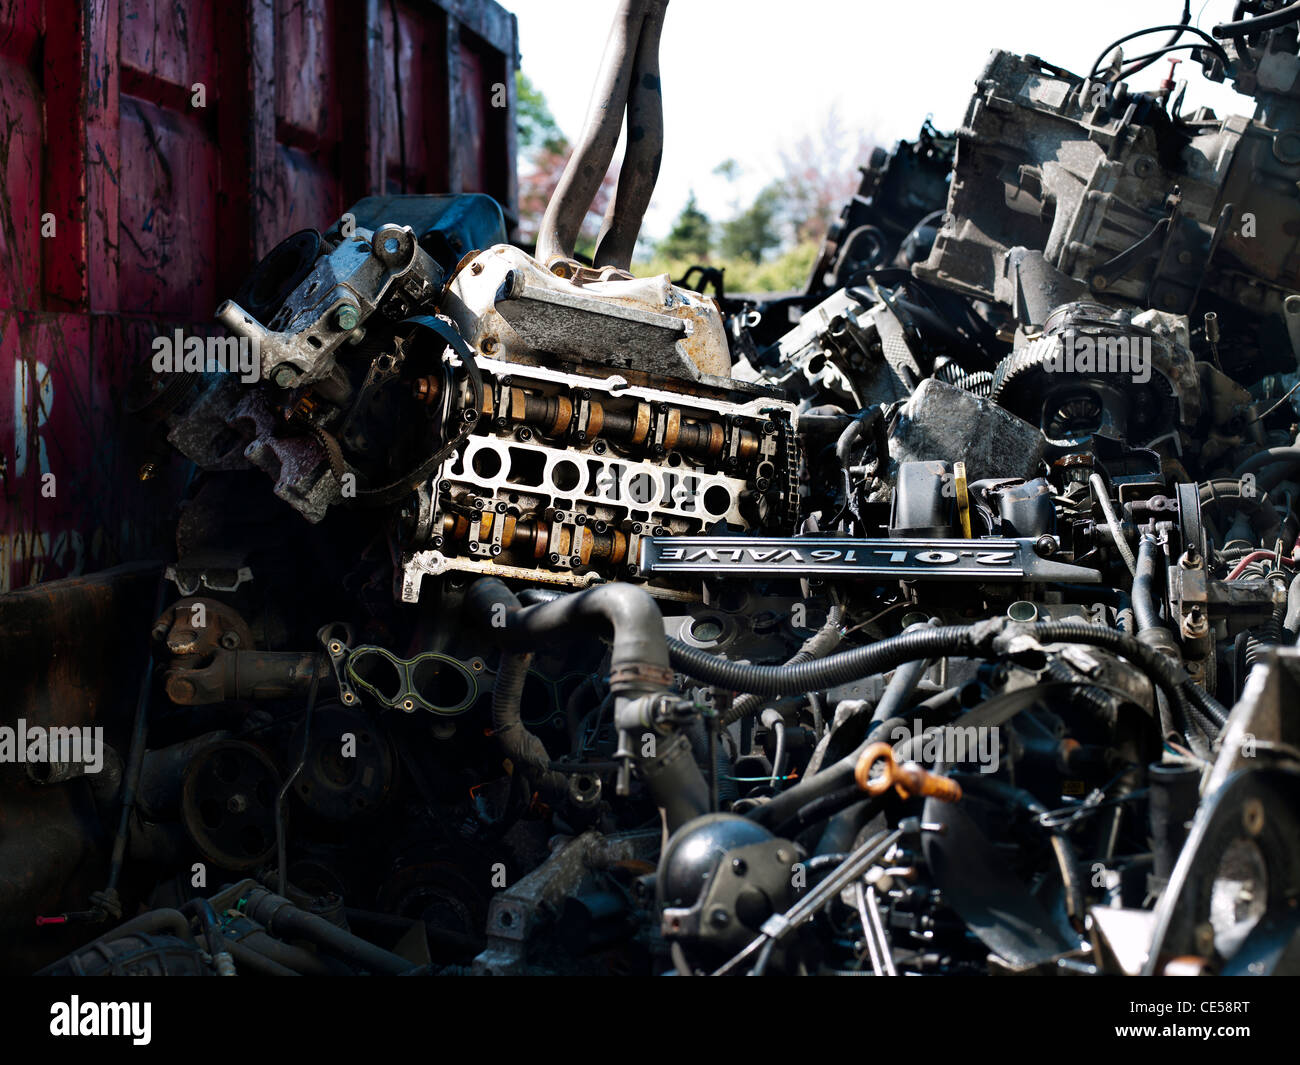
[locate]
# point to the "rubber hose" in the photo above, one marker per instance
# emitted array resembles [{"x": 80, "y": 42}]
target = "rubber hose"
[
  {"x": 880, "y": 657},
  {"x": 1144, "y": 607},
  {"x": 899, "y": 689},
  {"x": 1246, "y": 27},
  {"x": 1289, "y": 455},
  {"x": 282, "y": 917},
  {"x": 520, "y": 745},
  {"x": 625, "y": 610},
  {"x": 819, "y": 645}
]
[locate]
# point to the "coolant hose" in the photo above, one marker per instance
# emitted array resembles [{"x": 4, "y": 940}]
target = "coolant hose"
[
  {"x": 1144, "y": 605},
  {"x": 638, "y": 665},
  {"x": 520, "y": 745},
  {"x": 639, "y": 654},
  {"x": 1262, "y": 459},
  {"x": 282, "y": 918}
]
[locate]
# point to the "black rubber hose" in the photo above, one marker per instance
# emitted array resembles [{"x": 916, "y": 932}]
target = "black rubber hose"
[
  {"x": 1263, "y": 515},
  {"x": 1247, "y": 26},
  {"x": 1144, "y": 604},
  {"x": 629, "y": 613},
  {"x": 802, "y": 804},
  {"x": 282, "y": 917},
  {"x": 638, "y": 665},
  {"x": 520, "y": 745},
  {"x": 1289, "y": 455},
  {"x": 880, "y": 657},
  {"x": 252, "y": 961},
  {"x": 819, "y": 645},
  {"x": 170, "y": 921},
  {"x": 819, "y": 809},
  {"x": 899, "y": 690},
  {"x": 297, "y": 959},
  {"x": 1207, "y": 705},
  {"x": 842, "y": 828}
]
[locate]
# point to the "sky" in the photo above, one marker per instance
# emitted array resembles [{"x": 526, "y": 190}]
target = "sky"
[{"x": 743, "y": 79}]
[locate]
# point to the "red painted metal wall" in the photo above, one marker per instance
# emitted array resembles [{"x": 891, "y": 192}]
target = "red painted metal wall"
[{"x": 150, "y": 152}]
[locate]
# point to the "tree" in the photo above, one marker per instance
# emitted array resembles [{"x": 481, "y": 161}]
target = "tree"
[
  {"x": 728, "y": 169},
  {"x": 753, "y": 232},
  {"x": 821, "y": 173},
  {"x": 544, "y": 151},
  {"x": 536, "y": 127},
  {"x": 691, "y": 235}
]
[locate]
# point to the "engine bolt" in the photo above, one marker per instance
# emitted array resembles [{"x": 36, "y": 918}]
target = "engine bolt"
[
  {"x": 347, "y": 317},
  {"x": 1252, "y": 816}
]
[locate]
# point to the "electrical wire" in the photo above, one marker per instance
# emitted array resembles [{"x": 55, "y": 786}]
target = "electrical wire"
[
  {"x": 1142, "y": 62},
  {"x": 1179, "y": 28}
]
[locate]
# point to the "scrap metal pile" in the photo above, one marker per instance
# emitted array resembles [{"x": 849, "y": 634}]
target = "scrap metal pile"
[{"x": 937, "y": 619}]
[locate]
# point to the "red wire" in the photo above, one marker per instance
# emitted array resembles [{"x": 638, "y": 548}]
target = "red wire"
[{"x": 1254, "y": 556}]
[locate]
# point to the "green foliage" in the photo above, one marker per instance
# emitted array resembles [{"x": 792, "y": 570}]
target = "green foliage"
[
  {"x": 536, "y": 126},
  {"x": 691, "y": 236},
  {"x": 753, "y": 232},
  {"x": 786, "y": 273},
  {"x": 728, "y": 169}
]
